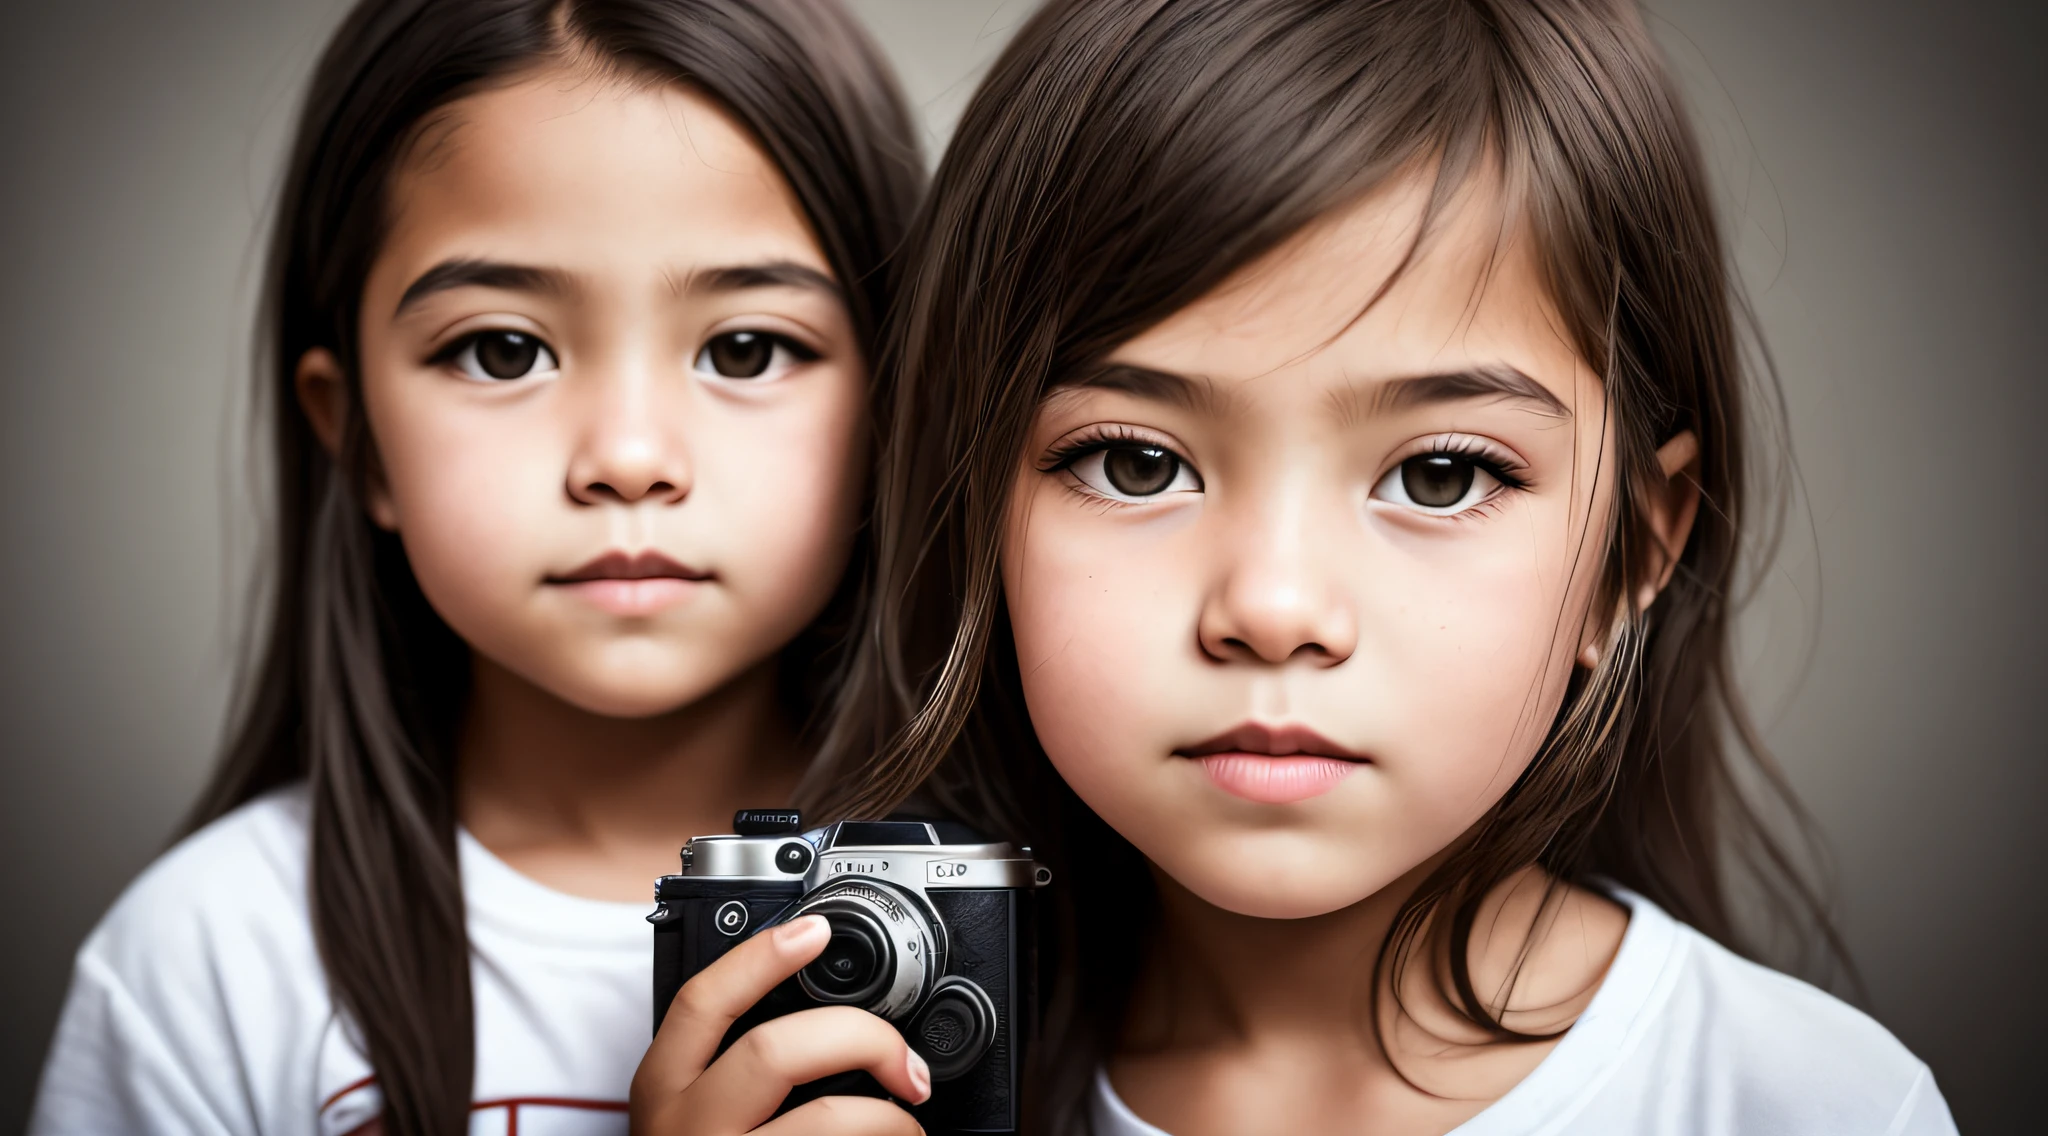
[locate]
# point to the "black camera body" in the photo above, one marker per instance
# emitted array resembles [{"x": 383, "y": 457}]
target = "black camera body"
[{"x": 935, "y": 938}]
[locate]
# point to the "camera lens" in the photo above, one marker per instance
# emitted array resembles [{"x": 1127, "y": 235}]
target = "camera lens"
[
  {"x": 848, "y": 962},
  {"x": 883, "y": 954},
  {"x": 850, "y": 968}
]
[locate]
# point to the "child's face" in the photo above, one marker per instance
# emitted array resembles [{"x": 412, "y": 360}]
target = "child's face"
[
  {"x": 600, "y": 341},
  {"x": 1269, "y": 528}
]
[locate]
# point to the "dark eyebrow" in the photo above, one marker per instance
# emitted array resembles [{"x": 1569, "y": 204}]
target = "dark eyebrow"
[
  {"x": 772, "y": 274},
  {"x": 451, "y": 274},
  {"x": 1418, "y": 390},
  {"x": 1145, "y": 383},
  {"x": 1453, "y": 386}
]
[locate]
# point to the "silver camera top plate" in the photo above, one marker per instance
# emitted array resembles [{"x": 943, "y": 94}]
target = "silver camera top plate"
[{"x": 918, "y": 867}]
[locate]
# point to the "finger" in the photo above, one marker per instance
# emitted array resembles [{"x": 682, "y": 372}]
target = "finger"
[
  {"x": 843, "y": 1116},
  {"x": 708, "y": 1003},
  {"x": 747, "y": 1083}
]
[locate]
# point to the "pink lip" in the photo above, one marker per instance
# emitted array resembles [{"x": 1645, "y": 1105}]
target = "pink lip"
[
  {"x": 1274, "y": 765},
  {"x": 632, "y": 584}
]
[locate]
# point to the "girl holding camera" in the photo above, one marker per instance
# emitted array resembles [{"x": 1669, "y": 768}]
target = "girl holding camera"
[{"x": 567, "y": 330}]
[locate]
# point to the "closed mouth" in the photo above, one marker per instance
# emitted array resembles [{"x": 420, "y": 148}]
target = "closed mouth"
[
  {"x": 1261, "y": 740},
  {"x": 1274, "y": 765},
  {"x": 646, "y": 565}
]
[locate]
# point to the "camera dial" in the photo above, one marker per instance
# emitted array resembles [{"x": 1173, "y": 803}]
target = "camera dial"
[
  {"x": 885, "y": 953},
  {"x": 955, "y": 1028}
]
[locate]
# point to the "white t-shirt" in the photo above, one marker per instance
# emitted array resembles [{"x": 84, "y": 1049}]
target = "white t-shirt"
[
  {"x": 199, "y": 1004},
  {"x": 1684, "y": 1038}
]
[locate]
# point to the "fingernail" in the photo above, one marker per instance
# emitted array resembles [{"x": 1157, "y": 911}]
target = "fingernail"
[
  {"x": 800, "y": 933},
  {"x": 920, "y": 1078}
]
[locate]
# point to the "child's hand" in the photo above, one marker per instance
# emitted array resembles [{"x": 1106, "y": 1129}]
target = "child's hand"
[{"x": 680, "y": 1091}]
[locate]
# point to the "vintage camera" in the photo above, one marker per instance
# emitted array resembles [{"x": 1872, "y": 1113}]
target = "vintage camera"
[{"x": 935, "y": 937}]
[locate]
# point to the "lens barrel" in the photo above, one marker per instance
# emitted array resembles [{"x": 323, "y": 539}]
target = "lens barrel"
[{"x": 886, "y": 952}]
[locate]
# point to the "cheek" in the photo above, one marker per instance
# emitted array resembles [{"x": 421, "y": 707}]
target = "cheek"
[
  {"x": 470, "y": 487},
  {"x": 1100, "y": 614},
  {"x": 783, "y": 485},
  {"x": 1469, "y": 647},
  {"x": 1471, "y": 651}
]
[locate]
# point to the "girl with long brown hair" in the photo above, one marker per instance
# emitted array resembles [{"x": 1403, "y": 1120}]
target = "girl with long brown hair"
[
  {"x": 566, "y": 342},
  {"x": 1315, "y": 525}
]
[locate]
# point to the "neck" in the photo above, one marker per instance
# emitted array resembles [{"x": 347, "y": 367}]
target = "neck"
[
  {"x": 597, "y": 805},
  {"x": 1216, "y": 978},
  {"x": 1242, "y": 1023}
]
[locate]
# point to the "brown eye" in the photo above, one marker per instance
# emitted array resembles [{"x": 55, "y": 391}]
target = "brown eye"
[
  {"x": 1139, "y": 471},
  {"x": 1133, "y": 471},
  {"x": 1448, "y": 482},
  {"x": 751, "y": 355},
  {"x": 1438, "y": 481},
  {"x": 740, "y": 354},
  {"x": 500, "y": 356}
]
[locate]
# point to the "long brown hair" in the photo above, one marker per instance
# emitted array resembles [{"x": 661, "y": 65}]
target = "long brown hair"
[
  {"x": 1124, "y": 158},
  {"x": 357, "y": 685}
]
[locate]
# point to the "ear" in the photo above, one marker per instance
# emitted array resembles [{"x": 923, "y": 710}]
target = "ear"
[
  {"x": 1670, "y": 509},
  {"x": 324, "y": 399}
]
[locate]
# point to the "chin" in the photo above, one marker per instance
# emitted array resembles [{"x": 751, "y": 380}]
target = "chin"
[
  {"x": 1277, "y": 875},
  {"x": 616, "y": 702},
  {"x": 646, "y": 692}
]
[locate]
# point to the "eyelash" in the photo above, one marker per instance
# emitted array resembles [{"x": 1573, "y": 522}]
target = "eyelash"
[
  {"x": 800, "y": 351},
  {"x": 1506, "y": 470},
  {"x": 447, "y": 352},
  {"x": 1099, "y": 439},
  {"x": 1511, "y": 474}
]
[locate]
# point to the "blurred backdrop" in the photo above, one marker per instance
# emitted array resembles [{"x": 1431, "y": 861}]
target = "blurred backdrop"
[{"x": 1881, "y": 165}]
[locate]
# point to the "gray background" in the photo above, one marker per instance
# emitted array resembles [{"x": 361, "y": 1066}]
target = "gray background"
[{"x": 1881, "y": 164}]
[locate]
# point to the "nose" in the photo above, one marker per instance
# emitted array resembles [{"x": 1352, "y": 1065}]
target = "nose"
[
  {"x": 1281, "y": 597},
  {"x": 629, "y": 446}
]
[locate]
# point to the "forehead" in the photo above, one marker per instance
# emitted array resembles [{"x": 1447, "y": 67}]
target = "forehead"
[
  {"x": 568, "y": 168},
  {"x": 1365, "y": 294}
]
